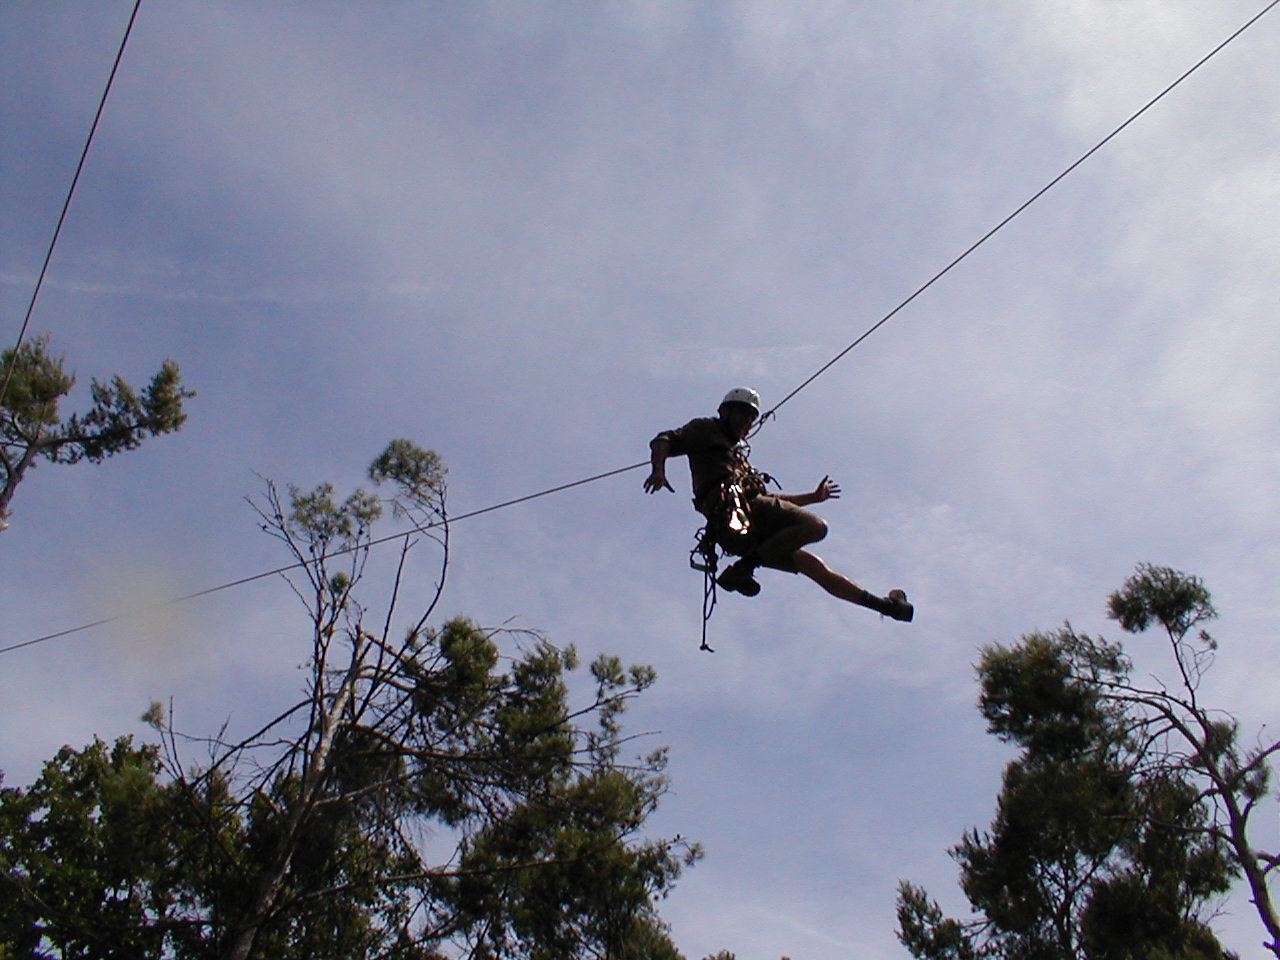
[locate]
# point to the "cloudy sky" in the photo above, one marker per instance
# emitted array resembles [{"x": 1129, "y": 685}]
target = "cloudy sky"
[{"x": 531, "y": 235}]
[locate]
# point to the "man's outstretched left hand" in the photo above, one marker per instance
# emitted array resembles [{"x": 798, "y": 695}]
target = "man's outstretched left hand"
[{"x": 826, "y": 490}]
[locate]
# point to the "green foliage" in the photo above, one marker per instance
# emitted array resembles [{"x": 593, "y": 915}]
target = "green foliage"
[
  {"x": 93, "y": 855},
  {"x": 106, "y": 857},
  {"x": 31, "y": 427},
  {"x": 1206, "y": 743},
  {"x": 1179, "y": 604},
  {"x": 1174, "y": 600},
  {"x": 418, "y": 474},
  {"x": 433, "y": 796},
  {"x": 1032, "y": 693},
  {"x": 325, "y": 523},
  {"x": 37, "y": 382},
  {"x": 1102, "y": 845},
  {"x": 924, "y": 930}
]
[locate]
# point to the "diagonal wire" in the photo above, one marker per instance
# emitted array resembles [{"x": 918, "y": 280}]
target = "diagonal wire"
[
  {"x": 767, "y": 415},
  {"x": 1003, "y": 223},
  {"x": 297, "y": 566},
  {"x": 66, "y": 204}
]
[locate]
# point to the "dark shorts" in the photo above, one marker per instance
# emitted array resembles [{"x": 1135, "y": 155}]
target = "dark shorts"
[{"x": 769, "y": 516}]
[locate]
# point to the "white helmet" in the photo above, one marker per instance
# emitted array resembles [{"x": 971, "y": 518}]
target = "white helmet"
[{"x": 743, "y": 395}]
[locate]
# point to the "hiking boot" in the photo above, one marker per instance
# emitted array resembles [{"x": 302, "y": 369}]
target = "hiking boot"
[
  {"x": 738, "y": 578},
  {"x": 896, "y": 606}
]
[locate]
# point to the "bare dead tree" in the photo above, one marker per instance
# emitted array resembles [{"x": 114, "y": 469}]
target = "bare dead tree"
[{"x": 430, "y": 794}]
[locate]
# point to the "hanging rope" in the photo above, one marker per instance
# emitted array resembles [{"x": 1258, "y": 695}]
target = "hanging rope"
[
  {"x": 708, "y": 607},
  {"x": 705, "y": 557}
]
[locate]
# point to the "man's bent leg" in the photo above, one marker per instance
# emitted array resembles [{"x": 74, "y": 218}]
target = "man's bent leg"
[
  {"x": 838, "y": 585},
  {"x": 778, "y": 529},
  {"x": 787, "y": 529}
]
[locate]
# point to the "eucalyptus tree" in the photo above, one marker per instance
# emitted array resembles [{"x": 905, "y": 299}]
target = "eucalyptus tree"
[{"x": 1128, "y": 809}]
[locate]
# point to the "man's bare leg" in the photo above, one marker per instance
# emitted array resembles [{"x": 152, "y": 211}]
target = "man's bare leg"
[{"x": 838, "y": 585}]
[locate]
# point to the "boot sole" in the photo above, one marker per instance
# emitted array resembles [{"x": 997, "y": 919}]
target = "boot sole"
[{"x": 903, "y": 611}]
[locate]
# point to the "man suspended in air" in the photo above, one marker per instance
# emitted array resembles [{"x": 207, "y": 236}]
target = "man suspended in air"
[{"x": 762, "y": 529}]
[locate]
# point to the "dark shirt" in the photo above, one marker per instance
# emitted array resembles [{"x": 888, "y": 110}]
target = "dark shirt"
[{"x": 713, "y": 454}]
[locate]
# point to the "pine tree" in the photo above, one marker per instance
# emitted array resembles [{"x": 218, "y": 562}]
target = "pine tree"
[
  {"x": 32, "y": 428},
  {"x": 1126, "y": 811}
]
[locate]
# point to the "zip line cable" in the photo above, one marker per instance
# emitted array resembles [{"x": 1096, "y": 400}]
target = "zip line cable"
[
  {"x": 336, "y": 553},
  {"x": 66, "y": 204},
  {"x": 1003, "y": 223},
  {"x": 769, "y": 414}
]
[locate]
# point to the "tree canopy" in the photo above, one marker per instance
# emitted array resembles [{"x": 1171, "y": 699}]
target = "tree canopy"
[
  {"x": 1126, "y": 811},
  {"x": 433, "y": 792},
  {"x": 32, "y": 427}
]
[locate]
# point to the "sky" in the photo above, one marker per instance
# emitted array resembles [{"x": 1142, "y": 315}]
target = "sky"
[{"x": 531, "y": 235}]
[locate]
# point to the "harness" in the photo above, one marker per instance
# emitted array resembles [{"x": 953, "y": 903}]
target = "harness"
[{"x": 727, "y": 507}]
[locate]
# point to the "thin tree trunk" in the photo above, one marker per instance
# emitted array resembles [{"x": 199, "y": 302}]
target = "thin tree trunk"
[
  {"x": 1253, "y": 874},
  {"x": 270, "y": 882}
]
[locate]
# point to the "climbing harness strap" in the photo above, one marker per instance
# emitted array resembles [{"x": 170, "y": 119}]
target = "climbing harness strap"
[
  {"x": 727, "y": 508},
  {"x": 708, "y": 607},
  {"x": 728, "y": 521},
  {"x": 704, "y": 557}
]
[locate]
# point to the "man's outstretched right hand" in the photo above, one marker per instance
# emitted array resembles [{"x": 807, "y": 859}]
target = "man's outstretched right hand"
[{"x": 656, "y": 481}]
